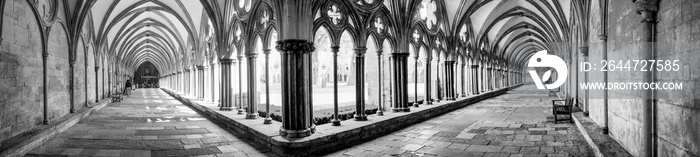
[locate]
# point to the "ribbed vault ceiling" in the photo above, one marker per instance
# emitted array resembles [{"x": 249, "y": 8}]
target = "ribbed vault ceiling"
[{"x": 171, "y": 33}]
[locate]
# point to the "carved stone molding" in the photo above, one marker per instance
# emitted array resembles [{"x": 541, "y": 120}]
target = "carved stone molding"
[{"x": 295, "y": 46}]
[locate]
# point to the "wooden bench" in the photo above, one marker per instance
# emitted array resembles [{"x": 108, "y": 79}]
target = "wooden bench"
[{"x": 563, "y": 109}]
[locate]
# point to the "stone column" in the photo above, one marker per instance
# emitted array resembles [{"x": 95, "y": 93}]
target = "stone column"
[
  {"x": 71, "y": 70},
  {"x": 428, "y": 86},
  {"x": 212, "y": 77},
  {"x": 475, "y": 79},
  {"x": 186, "y": 82},
  {"x": 45, "y": 82},
  {"x": 225, "y": 86},
  {"x": 449, "y": 84},
  {"x": 648, "y": 10},
  {"x": 268, "y": 119},
  {"x": 97, "y": 84},
  {"x": 380, "y": 111},
  {"x": 415, "y": 80},
  {"x": 297, "y": 113},
  {"x": 584, "y": 53},
  {"x": 438, "y": 89},
  {"x": 335, "y": 121},
  {"x": 401, "y": 82},
  {"x": 200, "y": 82},
  {"x": 240, "y": 84},
  {"x": 360, "y": 84},
  {"x": 252, "y": 86},
  {"x": 464, "y": 81}
]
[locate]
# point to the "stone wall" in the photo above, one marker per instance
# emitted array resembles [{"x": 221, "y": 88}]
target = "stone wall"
[
  {"x": 21, "y": 63},
  {"x": 58, "y": 73},
  {"x": 678, "y": 119},
  {"x": 79, "y": 77},
  {"x": 91, "y": 80}
]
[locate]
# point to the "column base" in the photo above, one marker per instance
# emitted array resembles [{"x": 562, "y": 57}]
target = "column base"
[
  {"x": 268, "y": 120},
  {"x": 241, "y": 111},
  {"x": 585, "y": 114},
  {"x": 295, "y": 133},
  {"x": 72, "y": 111},
  {"x": 415, "y": 104},
  {"x": 464, "y": 95},
  {"x": 225, "y": 108},
  {"x": 360, "y": 117},
  {"x": 605, "y": 130},
  {"x": 475, "y": 93},
  {"x": 395, "y": 110},
  {"x": 335, "y": 122},
  {"x": 46, "y": 122},
  {"x": 251, "y": 116},
  {"x": 427, "y": 102},
  {"x": 380, "y": 113},
  {"x": 406, "y": 109}
]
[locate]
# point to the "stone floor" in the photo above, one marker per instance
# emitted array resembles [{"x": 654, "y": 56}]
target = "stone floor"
[
  {"x": 147, "y": 123},
  {"x": 512, "y": 125}
]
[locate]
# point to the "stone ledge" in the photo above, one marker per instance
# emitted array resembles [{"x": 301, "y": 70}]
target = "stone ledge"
[
  {"x": 327, "y": 138},
  {"x": 601, "y": 144},
  {"x": 29, "y": 140}
]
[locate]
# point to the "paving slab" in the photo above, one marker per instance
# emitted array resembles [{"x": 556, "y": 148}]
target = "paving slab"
[
  {"x": 514, "y": 124},
  {"x": 147, "y": 123}
]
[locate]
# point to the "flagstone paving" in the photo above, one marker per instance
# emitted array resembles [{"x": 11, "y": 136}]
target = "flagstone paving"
[
  {"x": 147, "y": 123},
  {"x": 511, "y": 125}
]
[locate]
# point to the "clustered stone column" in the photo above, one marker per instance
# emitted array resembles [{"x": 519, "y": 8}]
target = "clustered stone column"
[
  {"x": 225, "y": 90},
  {"x": 400, "y": 80},
  {"x": 360, "y": 84},
  {"x": 464, "y": 81},
  {"x": 438, "y": 81},
  {"x": 252, "y": 87},
  {"x": 200, "y": 92},
  {"x": 428, "y": 84},
  {"x": 297, "y": 113},
  {"x": 475, "y": 79},
  {"x": 449, "y": 80}
]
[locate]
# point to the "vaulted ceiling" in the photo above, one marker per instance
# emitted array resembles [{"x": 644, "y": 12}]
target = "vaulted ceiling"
[{"x": 177, "y": 32}]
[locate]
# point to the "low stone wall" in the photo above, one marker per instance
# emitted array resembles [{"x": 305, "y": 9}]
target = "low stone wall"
[
  {"x": 329, "y": 138},
  {"x": 27, "y": 141}
]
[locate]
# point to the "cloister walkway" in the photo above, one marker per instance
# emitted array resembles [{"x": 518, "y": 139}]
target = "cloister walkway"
[
  {"x": 147, "y": 123},
  {"x": 514, "y": 124}
]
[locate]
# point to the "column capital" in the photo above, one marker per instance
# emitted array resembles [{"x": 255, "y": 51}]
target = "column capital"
[
  {"x": 187, "y": 70},
  {"x": 226, "y": 61},
  {"x": 295, "y": 46},
  {"x": 648, "y": 9},
  {"x": 251, "y": 55},
  {"x": 603, "y": 37},
  {"x": 201, "y": 67},
  {"x": 266, "y": 51},
  {"x": 475, "y": 66},
  {"x": 360, "y": 51},
  {"x": 45, "y": 55},
  {"x": 97, "y": 68},
  {"x": 584, "y": 50},
  {"x": 399, "y": 54}
]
